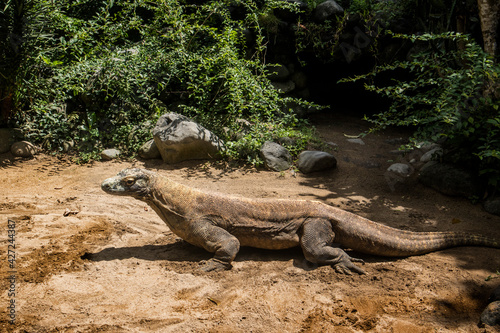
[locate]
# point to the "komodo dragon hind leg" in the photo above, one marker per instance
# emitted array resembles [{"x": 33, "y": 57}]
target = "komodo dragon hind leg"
[
  {"x": 316, "y": 242},
  {"x": 216, "y": 240}
]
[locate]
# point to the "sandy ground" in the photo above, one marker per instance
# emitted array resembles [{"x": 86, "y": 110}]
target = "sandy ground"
[{"x": 111, "y": 264}]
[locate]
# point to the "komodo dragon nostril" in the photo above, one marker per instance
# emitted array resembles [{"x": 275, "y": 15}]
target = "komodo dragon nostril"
[{"x": 105, "y": 186}]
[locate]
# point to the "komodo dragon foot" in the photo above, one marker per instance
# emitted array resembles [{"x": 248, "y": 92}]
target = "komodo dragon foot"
[{"x": 317, "y": 245}]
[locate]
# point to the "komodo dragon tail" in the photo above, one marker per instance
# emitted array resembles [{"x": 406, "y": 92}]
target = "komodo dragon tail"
[{"x": 382, "y": 240}]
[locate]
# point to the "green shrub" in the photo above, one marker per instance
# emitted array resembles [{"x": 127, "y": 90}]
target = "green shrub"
[
  {"x": 101, "y": 72},
  {"x": 446, "y": 95}
]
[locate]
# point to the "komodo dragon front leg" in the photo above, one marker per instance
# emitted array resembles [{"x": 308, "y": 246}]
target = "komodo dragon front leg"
[
  {"x": 205, "y": 234},
  {"x": 316, "y": 241}
]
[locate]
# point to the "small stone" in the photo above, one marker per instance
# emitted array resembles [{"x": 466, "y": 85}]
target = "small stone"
[
  {"x": 68, "y": 145},
  {"x": 397, "y": 173},
  {"x": 109, "y": 154},
  {"x": 313, "y": 161},
  {"x": 356, "y": 141},
  {"x": 401, "y": 169},
  {"x": 426, "y": 146},
  {"x": 432, "y": 155}
]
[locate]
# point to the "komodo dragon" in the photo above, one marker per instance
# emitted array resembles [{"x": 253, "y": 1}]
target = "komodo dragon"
[{"x": 220, "y": 224}]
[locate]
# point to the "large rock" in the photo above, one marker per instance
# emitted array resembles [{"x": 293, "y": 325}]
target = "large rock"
[
  {"x": 491, "y": 315},
  {"x": 278, "y": 72},
  {"x": 276, "y": 157},
  {"x": 178, "y": 138},
  {"x": 326, "y": 10},
  {"x": 312, "y": 161},
  {"x": 24, "y": 149},
  {"x": 449, "y": 179}
]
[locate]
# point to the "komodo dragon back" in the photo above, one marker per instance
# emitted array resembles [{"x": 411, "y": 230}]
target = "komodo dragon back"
[{"x": 220, "y": 224}]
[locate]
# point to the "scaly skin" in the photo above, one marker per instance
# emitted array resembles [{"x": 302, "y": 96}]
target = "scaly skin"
[{"x": 221, "y": 224}]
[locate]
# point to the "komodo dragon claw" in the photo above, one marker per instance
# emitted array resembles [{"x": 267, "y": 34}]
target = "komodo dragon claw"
[{"x": 346, "y": 266}]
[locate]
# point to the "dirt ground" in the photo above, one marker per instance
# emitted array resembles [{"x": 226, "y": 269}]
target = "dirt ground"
[{"x": 90, "y": 262}]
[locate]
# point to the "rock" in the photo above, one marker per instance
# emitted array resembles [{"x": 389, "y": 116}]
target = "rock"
[
  {"x": 357, "y": 141},
  {"x": 24, "y": 149},
  {"x": 397, "y": 173},
  {"x": 6, "y": 140},
  {"x": 110, "y": 154},
  {"x": 426, "y": 146},
  {"x": 68, "y": 145},
  {"x": 332, "y": 144},
  {"x": 492, "y": 206},
  {"x": 149, "y": 150},
  {"x": 449, "y": 179},
  {"x": 432, "y": 155},
  {"x": 275, "y": 156},
  {"x": 278, "y": 72},
  {"x": 312, "y": 161},
  {"x": 326, "y": 10},
  {"x": 401, "y": 169},
  {"x": 491, "y": 315},
  {"x": 179, "y": 138},
  {"x": 284, "y": 87}
]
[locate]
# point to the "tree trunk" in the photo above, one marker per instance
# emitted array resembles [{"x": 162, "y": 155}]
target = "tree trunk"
[{"x": 489, "y": 13}]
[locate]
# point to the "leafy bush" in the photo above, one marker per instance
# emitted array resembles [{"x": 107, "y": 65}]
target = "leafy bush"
[
  {"x": 446, "y": 95},
  {"x": 101, "y": 72}
]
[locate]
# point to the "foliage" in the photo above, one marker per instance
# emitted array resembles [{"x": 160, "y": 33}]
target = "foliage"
[
  {"x": 100, "y": 72},
  {"x": 295, "y": 139},
  {"x": 445, "y": 95}
]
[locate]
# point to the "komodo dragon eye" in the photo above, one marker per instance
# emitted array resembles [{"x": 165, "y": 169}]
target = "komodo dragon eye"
[{"x": 129, "y": 181}]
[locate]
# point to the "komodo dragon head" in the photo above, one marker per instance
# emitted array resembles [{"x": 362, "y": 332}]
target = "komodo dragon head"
[{"x": 129, "y": 182}]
